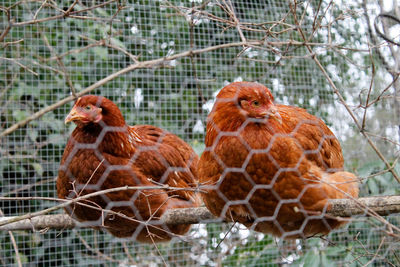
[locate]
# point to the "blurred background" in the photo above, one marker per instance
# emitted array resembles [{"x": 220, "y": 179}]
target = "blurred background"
[{"x": 50, "y": 50}]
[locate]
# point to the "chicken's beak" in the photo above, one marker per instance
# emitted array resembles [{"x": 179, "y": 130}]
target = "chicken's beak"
[
  {"x": 73, "y": 115},
  {"x": 274, "y": 114}
]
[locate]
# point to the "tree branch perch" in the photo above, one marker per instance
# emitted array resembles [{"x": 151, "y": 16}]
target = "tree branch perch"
[{"x": 383, "y": 205}]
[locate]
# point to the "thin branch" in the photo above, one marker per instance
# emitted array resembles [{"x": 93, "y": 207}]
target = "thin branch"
[
  {"x": 69, "y": 13},
  {"x": 128, "y": 254},
  {"x": 103, "y": 42},
  {"x": 64, "y": 70},
  {"x": 231, "y": 12},
  {"x": 28, "y": 186},
  {"x": 383, "y": 138},
  {"x": 369, "y": 91},
  {"x": 94, "y": 7},
  {"x": 395, "y": 78},
  {"x": 39, "y": 9},
  {"x": 373, "y": 38},
  {"x": 5, "y": 32},
  {"x": 375, "y": 254},
  {"x": 99, "y": 254},
  {"x": 19, "y": 64},
  {"x": 14, "y": 243}
]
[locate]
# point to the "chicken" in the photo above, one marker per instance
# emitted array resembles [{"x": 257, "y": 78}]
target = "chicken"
[
  {"x": 271, "y": 167},
  {"x": 104, "y": 153}
]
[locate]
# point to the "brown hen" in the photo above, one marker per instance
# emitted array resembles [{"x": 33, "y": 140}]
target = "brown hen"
[
  {"x": 271, "y": 167},
  {"x": 103, "y": 153}
]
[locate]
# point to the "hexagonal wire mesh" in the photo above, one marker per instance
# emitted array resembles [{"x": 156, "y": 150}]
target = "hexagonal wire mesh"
[{"x": 164, "y": 63}]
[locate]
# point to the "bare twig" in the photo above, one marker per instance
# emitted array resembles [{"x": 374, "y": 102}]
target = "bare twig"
[
  {"x": 369, "y": 92},
  {"x": 96, "y": 251},
  {"x": 374, "y": 39},
  {"x": 14, "y": 243},
  {"x": 6, "y": 31},
  {"x": 69, "y": 13},
  {"x": 376, "y": 253},
  {"x": 39, "y": 9},
  {"x": 102, "y": 42},
  {"x": 64, "y": 70},
  {"x": 28, "y": 186},
  {"x": 128, "y": 254},
  {"x": 19, "y": 64}
]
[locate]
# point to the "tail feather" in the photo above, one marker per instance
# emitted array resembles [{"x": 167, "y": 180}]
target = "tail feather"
[
  {"x": 338, "y": 185},
  {"x": 341, "y": 185}
]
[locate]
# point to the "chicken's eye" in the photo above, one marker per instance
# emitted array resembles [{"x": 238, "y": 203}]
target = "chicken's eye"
[
  {"x": 255, "y": 103},
  {"x": 88, "y": 107}
]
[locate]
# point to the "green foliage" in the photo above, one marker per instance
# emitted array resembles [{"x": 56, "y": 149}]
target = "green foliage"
[
  {"x": 377, "y": 181},
  {"x": 255, "y": 252}
]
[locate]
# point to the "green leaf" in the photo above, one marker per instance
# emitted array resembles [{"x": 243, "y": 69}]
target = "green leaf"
[
  {"x": 56, "y": 139},
  {"x": 20, "y": 115},
  {"x": 349, "y": 260},
  {"x": 117, "y": 42},
  {"x": 101, "y": 52},
  {"x": 311, "y": 259},
  {"x": 33, "y": 134},
  {"x": 198, "y": 147},
  {"x": 23, "y": 258},
  {"x": 325, "y": 261},
  {"x": 373, "y": 186},
  {"x": 38, "y": 168},
  {"x": 102, "y": 12},
  {"x": 370, "y": 168},
  {"x": 334, "y": 251}
]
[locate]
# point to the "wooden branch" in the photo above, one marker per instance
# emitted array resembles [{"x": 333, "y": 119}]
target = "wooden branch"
[
  {"x": 57, "y": 221},
  {"x": 188, "y": 216},
  {"x": 383, "y": 205}
]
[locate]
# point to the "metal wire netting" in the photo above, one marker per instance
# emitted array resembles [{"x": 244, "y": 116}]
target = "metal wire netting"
[{"x": 191, "y": 49}]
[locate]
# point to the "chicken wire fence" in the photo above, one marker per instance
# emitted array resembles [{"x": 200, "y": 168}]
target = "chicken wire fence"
[{"x": 163, "y": 63}]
